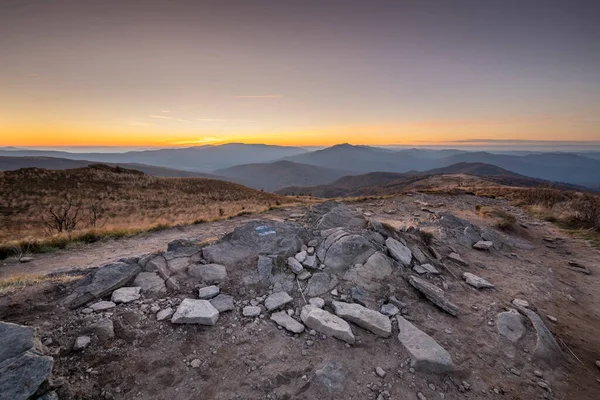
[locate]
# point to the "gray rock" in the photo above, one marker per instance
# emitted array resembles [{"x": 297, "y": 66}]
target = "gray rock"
[
  {"x": 380, "y": 372},
  {"x": 251, "y": 311},
  {"x": 510, "y": 325},
  {"x": 418, "y": 254},
  {"x": 317, "y": 302},
  {"x": 434, "y": 294},
  {"x": 173, "y": 284},
  {"x": 310, "y": 262},
  {"x": 462, "y": 230},
  {"x": 158, "y": 264},
  {"x": 178, "y": 265},
  {"x": 398, "y": 251},
  {"x": 400, "y": 304},
  {"x": 476, "y": 281},
  {"x": 425, "y": 269},
  {"x": 282, "y": 319},
  {"x": 295, "y": 265},
  {"x": 372, "y": 274},
  {"x": 150, "y": 283},
  {"x": 265, "y": 269},
  {"x": 520, "y": 303},
  {"x": 223, "y": 303},
  {"x": 483, "y": 245},
  {"x": 301, "y": 257},
  {"x": 346, "y": 251},
  {"x": 359, "y": 295},
  {"x": 16, "y": 340},
  {"x": 192, "y": 311},
  {"x": 332, "y": 376},
  {"x": 371, "y": 320},
  {"x": 457, "y": 259},
  {"x": 49, "y": 396},
  {"x": 180, "y": 243},
  {"x": 165, "y": 314},
  {"x": 103, "y": 281},
  {"x": 277, "y": 300},
  {"x": 208, "y": 292},
  {"x": 21, "y": 376},
  {"x": 389, "y": 309},
  {"x": 103, "y": 328},
  {"x": 126, "y": 295},
  {"x": 313, "y": 243},
  {"x": 331, "y": 214},
  {"x": 208, "y": 272},
  {"x": 304, "y": 275},
  {"x": 282, "y": 239},
  {"x": 320, "y": 283},
  {"x": 546, "y": 348},
  {"x": 425, "y": 353},
  {"x": 327, "y": 323},
  {"x": 81, "y": 343},
  {"x": 102, "y": 305}
]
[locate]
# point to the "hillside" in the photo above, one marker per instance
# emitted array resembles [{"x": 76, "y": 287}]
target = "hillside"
[
  {"x": 13, "y": 163},
  {"x": 121, "y": 199},
  {"x": 280, "y": 174}
]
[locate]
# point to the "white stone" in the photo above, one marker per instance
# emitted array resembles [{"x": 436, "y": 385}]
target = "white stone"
[
  {"x": 126, "y": 294},
  {"x": 483, "y": 245},
  {"x": 327, "y": 323},
  {"x": 277, "y": 300},
  {"x": 371, "y": 320},
  {"x": 301, "y": 257},
  {"x": 251, "y": 311},
  {"x": 398, "y": 251},
  {"x": 476, "y": 281},
  {"x": 208, "y": 292},
  {"x": 295, "y": 265},
  {"x": 192, "y": 311},
  {"x": 102, "y": 305},
  {"x": 165, "y": 314},
  {"x": 389, "y": 309},
  {"x": 208, "y": 272},
  {"x": 282, "y": 319},
  {"x": 426, "y": 354},
  {"x": 317, "y": 302},
  {"x": 520, "y": 303},
  {"x": 81, "y": 343}
]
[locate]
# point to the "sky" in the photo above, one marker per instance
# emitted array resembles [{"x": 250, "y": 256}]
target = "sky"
[{"x": 192, "y": 72}]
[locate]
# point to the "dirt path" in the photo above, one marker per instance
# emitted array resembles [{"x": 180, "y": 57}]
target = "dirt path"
[{"x": 103, "y": 252}]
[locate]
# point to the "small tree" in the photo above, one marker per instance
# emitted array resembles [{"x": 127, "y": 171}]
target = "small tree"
[
  {"x": 63, "y": 218},
  {"x": 96, "y": 212}
]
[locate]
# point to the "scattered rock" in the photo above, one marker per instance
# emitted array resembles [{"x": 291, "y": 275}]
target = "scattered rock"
[
  {"x": 81, "y": 343},
  {"x": 317, "y": 302},
  {"x": 251, "y": 311},
  {"x": 426, "y": 354},
  {"x": 301, "y": 257},
  {"x": 295, "y": 265},
  {"x": 546, "y": 348},
  {"x": 165, "y": 314},
  {"x": 380, "y": 372},
  {"x": 208, "y": 272},
  {"x": 277, "y": 300},
  {"x": 192, "y": 311},
  {"x": 398, "y": 251},
  {"x": 150, "y": 283},
  {"x": 520, "y": 303},
  {"x": 311, "y": 261},
  {"x": 551, "y": 318},
  {"x": 223, "y": 303},
  {"x": 389, "y": 309},
  {"x": 434, "y": 294},
  {"x": 327, "y": 323},
  {"x": 103, "y": 328},
  {"x": 208, "y": 292},
  {"x": 102, "y": 305},
  {"x": 320, "y": 283},
  {"x": 476, "y": 281},
  {"x": 371, "y": 320},
  {"x": 457, "y": 259},
  {"x": 282, "y": 319},
  {"x": 196, "y": 363},
  {"x": 483, "y": 245},
  {"x": 425, "y": 269},
  {"x": 126, "y": 294},
  {"x": 510, "y": 325},
  {"x": 304, "y": 275}
]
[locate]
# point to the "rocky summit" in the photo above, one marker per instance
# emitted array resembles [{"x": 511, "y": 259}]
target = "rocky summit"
[{"x": 327, "y": 304}]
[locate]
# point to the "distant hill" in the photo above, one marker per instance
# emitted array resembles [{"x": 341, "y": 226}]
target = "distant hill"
[
  {"x": 14, "y": 163},
  {"x": 126, "y": 199},
  {"x": 385, "y": 183},
  {"x": 198, "y": 159},
  {"x": 279, "y": 174}
]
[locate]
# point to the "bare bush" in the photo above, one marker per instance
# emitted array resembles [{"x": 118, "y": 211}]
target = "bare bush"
[{"x": 64, "y": 217}]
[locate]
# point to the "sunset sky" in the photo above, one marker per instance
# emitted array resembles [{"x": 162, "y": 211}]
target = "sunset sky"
[{"x": 186, "y": 72}]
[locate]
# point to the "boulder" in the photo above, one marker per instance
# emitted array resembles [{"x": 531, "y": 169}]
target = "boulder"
[
  {"x": 223, "y": 303},
  {"x": 371, "y": 320},
  {"x": 159, "y": 265},
  {"x": 126, "y": 294},
  {"x": 510, "y": 325},
  {"x": 320, "y": 283},
  {"x": 398, "y": 251},
  {"x": 104, "y": 280},
  {"x": 316, "y": 302},
  {"x": 208, "y": 292},
  {"x": 434, "y": 294},
  {"x": 192, "y": 311},
  {"x": 476, "y": 281},
  {"x": 150, "y": 283},
  {"x": 277, "y": 300},
  {"x": 462, "y": 230},
  {"x": 282, "y": 319},
  {"x": 181, "y": 243},
  {"x": 208, "y": 272},
  {"x": 425, "y": 353},
  {"x": 21, "y": 376},
  {"x": 327, "y": 323}
]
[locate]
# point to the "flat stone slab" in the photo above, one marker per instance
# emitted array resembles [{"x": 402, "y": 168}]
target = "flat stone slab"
[
  {"x": 372, "y": 274},
  {"x": 208, "y": 292},
  {"x": 476, "y": 281},
  {"x": 398, "y": 251},
  {"x": 483, "y": 245},
  {"x": 277, "y": 300},
  {"x": 389, "y": 309},
  {"x": 371, "y": 320},
  {"x": 434, "y": 294},
  {"x": 510, "y": 325},
  {"x": 426, "y": 354},
  {"x": 208, "y": 272},
  {"x": 126, "y": 294},
  {"x": 150, "y": 283},
  {"x": 546, "y": 347},
  {"x": 457, "y": 259},
  {"x": 102, "y": 305},
  {"x": 192, "y": 311},
  {"x": 425, "y": 269},
  {"x": 15, "y": 339},
  {"x": 251, "y": 311},
  {"x": 21, "y": 376},
  {"x": 223, "y": 302},
  {"x": 327, "y": 323},
  {"x": 282, "y": 319},
  {"x": 165, "y": 314}
]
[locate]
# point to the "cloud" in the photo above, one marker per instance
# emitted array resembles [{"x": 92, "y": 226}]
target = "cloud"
[
  {"x": 263, "y": 96},
  {"x": 211, "y": 120},
  {"x": 168, "y": 118},
  {"x": 203, "y": 140}
]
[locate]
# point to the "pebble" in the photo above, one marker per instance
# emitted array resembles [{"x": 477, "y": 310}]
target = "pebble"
[
  {"x": 195, "y": 363},
  {"x": 431, "y": 386},
  {"x": 544, "y": 385},
  {"x": 421, "y": 396},
  {"x": 598, "y": 363},
  {"x": 515, "y": 371},
  {"x": 538, "y": 373},
  {"x": 380, "y": 372},
  {"x": 551, "y": 318}
]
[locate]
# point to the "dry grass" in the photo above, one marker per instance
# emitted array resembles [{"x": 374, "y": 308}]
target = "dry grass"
[
  {"x": 131, "y": 202},
  {"x": 14, "y": 283},
  {"x": 504, "y": 220}
]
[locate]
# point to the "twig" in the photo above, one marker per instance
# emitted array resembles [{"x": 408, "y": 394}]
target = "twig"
[
  {"x": 300, "y": 289},
  {"x": 564, "y": 344}
]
